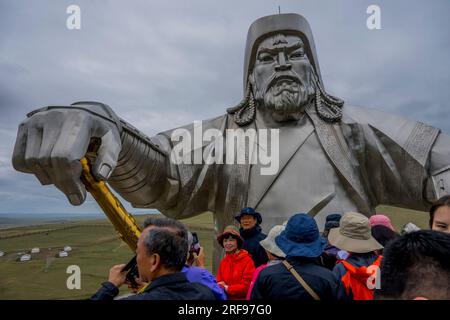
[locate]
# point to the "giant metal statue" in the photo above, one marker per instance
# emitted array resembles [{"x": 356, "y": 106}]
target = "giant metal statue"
[{"x": 353, "y": 158}]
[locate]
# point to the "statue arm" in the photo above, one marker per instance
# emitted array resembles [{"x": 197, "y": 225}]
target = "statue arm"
[
  {"x": 406, "y": 163},
  {"x": 147, "y": 178},
  {"x": 438, "y": 183},
  {"x": 141, "y": 174},
  {"x": 53, "y": 139}
]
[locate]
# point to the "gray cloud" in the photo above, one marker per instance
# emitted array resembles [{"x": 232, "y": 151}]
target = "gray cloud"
[{"x": 162, "y": 64}]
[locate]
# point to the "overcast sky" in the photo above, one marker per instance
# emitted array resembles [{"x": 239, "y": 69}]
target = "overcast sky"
[{"x": 162, "y": 64}]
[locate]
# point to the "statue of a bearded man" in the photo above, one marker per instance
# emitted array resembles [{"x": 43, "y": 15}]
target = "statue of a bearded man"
[{"x": 353, "y": 158}]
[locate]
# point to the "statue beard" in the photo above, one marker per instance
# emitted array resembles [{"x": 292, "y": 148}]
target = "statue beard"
[{"x": 286, "y": 98}]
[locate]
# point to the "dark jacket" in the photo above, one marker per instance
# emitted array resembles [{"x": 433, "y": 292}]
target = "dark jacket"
[
  {"x": 173, "y": 286},
  {"x": 252, "y": 237},
  {"x": 357, "y": 260},
  {"x": 278, "y": 283},
  {"x": 329, "y": 258}
]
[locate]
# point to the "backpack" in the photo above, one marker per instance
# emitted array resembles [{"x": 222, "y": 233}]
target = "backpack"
[{"x": 356, "y": 279}]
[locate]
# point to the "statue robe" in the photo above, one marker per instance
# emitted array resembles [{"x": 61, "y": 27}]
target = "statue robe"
[{"x": 367, "y": 159}]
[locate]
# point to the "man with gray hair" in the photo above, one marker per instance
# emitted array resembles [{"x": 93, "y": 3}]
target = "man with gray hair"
[{"x": 161, "y": 254}]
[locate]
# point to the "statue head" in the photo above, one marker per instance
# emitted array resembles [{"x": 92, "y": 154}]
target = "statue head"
[
  {"x": 282, "y": 78},
  {"x": 281, "y": 72}
]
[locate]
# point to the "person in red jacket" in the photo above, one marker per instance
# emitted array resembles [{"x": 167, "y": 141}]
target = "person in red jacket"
[{"x": 236, "y": 268}]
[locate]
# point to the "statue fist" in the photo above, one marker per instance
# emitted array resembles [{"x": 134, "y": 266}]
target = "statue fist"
[{"x": 51, "y": 142}]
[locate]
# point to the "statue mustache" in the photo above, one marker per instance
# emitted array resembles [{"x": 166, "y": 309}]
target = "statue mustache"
[{"x": 276, "y": 77}]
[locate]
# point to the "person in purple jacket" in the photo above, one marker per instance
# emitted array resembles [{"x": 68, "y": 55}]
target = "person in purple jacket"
[{"x": 195, "y": 270}]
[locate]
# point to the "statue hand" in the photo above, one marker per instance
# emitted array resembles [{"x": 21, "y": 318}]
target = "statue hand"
[{"x": 51, "y": 142}]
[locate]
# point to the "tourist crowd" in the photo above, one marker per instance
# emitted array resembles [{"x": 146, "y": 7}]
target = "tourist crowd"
[{"x": 353, "y": 258}]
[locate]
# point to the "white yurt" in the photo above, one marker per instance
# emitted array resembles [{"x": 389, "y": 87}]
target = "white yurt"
[
  {"x": 35, "y": 250},
  {"x": 63, "y": 254},
  {"x": 67, "y": 248},
  {"x": 25, "y": 257}
]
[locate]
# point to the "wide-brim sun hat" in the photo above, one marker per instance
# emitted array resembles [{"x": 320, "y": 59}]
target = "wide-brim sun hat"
[
  {"x": 354, "y": 234},
  {"x": 269, "y": 242},
  {"x": 233, "y": 231},
  {"x": 301, "y": 237},
  {"x": 249, "y": 211}
]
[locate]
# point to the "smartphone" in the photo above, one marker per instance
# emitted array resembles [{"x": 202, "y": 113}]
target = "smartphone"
[
  {"x": 195, "y": 243},
  {"x": 194, "y": 237},
  {"x": 133, "y": 272}
]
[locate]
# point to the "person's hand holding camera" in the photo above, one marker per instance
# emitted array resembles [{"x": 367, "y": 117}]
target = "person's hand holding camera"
[{"x": 199, "y": 259}]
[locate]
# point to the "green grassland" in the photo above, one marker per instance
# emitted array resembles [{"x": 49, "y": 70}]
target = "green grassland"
[{"x": 95, "y": 248}]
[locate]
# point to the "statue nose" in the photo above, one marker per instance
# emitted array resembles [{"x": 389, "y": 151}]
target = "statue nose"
[{"x": 283, "y": 63}]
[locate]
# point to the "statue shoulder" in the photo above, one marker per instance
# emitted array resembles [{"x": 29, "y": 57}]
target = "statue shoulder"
[
  {"x": 396, "y": 127},
  {"x": 413, "y": 136},
  {"x": 373, "y": 117}
]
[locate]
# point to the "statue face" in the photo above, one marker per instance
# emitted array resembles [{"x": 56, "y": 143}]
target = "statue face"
[{"x": 282, "y": 77}]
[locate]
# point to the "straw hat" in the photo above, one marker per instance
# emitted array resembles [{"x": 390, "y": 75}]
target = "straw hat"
[{"x": 354, "y": 234}]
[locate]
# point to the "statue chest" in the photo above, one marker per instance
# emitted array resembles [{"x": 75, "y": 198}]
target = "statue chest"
[{"x": 305, "y": 177}]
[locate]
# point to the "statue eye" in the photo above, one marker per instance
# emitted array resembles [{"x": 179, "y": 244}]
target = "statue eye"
[
  {"x": 265, "y": 57},
  {"x": 297, "y": 54}
]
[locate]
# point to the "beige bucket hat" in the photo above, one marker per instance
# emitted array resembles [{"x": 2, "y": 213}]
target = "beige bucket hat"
[
  {"x": 354, "y": 234},
  {"x": 269, "y": 242}
]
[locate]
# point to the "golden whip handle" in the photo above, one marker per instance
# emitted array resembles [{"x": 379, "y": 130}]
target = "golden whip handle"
[{"x": 123, "y": 222}]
